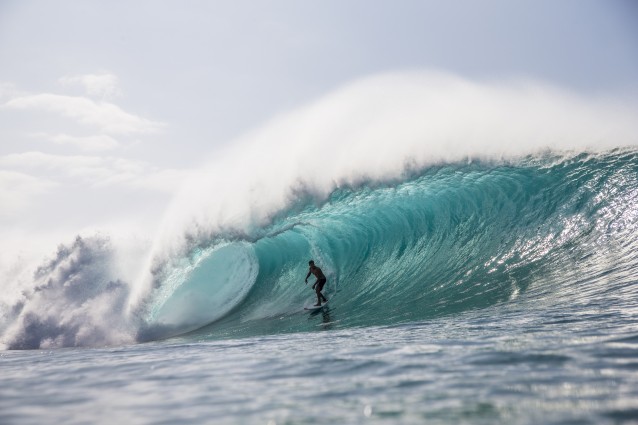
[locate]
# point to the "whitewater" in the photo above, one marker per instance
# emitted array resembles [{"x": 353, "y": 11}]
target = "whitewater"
[{"x": 480, "y": 244}]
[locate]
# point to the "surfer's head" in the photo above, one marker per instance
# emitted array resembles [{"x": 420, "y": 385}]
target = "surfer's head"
[{"x": 311, "y": 263}]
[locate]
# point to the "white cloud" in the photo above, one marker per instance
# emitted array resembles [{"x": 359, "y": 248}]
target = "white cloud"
[
  {"x": 96, "y": 143},
  {"x": 106, "y": 117},
  {"x": 44, "y": 161},
  {"x": 17, "y": 191},
  {"x": 104, "y": 86},
  {"x": 95, "y": 171},
  {"x": 7, "y": 90}
]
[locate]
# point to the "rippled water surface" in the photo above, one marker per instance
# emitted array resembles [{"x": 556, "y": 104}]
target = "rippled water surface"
[{"x": 560, "y": 365}]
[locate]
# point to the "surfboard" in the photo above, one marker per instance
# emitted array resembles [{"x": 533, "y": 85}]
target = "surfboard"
[{"x": 314, "y": 307}]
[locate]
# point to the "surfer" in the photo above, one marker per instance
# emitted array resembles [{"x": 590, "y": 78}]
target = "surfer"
[{"x": 321, "y": 280}]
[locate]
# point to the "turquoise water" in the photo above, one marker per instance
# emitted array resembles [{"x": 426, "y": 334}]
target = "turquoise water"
[
  {"x": 497, "y": 365},
  {"x": 451, "y": 239},
  {"x": 474, "y": 292}
]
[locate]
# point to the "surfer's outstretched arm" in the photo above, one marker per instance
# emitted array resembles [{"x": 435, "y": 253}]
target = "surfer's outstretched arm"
[{"x": 308, "y": 275}]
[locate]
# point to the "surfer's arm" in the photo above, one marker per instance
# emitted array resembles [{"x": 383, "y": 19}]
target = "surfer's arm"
[{"x": 308, "y": 275}]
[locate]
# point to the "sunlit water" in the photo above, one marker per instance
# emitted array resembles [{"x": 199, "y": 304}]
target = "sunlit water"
[{"x": 569, "y": 364}]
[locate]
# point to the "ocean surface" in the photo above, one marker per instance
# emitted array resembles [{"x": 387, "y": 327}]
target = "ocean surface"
[{"x": 474, "y": 291}]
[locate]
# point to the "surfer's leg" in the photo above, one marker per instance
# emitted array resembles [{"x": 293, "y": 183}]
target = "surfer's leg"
[{"x": 320, "y": 288}]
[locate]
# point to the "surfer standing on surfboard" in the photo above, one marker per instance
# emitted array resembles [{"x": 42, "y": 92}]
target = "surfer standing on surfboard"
[{"x": 321, "y": 280}]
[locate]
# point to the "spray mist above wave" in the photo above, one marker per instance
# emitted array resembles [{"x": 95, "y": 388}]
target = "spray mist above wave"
[
  {"x": 376, "y": 130},
  {"x": 77, "y": 299}
]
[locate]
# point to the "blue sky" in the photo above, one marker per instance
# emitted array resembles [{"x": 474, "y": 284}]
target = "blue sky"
[{"x": 106, "y": 106}]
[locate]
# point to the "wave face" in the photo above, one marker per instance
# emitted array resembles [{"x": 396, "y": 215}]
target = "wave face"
[
  {"x": 449, "y": 239},
  {"x": 420, "y": 195}
]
